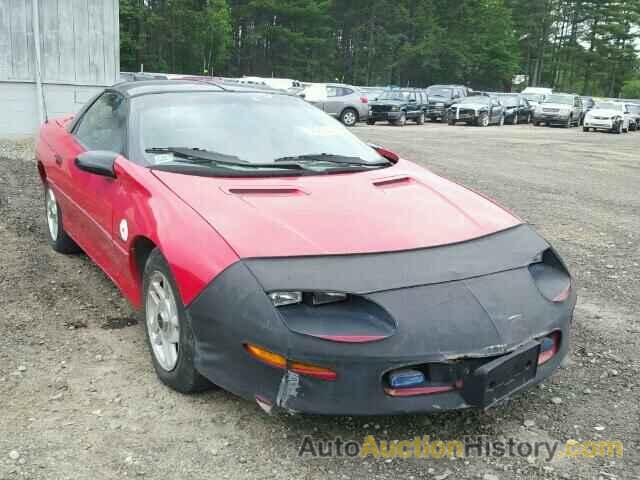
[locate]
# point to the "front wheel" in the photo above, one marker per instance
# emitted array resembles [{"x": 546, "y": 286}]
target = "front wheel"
[
  {"x": 483, "y": 120},
  {"x": 401, "y": 122},
  {"x": 58, "y": 238},
  {"x": 168, "y": 329},
  {"x": 420, "y": 119},
  {"x": 514, "y": 121},
  {"x": 349, "y": 117},
  {"x": 585, "y": 129},
  {"x": 501, "y": 122}
]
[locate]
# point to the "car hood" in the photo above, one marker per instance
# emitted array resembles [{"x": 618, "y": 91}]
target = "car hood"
[
  {"x": 397, "y": 208},
  {"x": 439, "y": 99},
  {"x": 472, "y": 106},
  {"x": 605, "y": 112},
  {"x": 561, "y": 106},
  {"x": 388, "y": 102}
]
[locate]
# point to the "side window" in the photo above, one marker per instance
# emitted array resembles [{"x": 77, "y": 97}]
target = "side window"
[
  {"x": 345, "y": 91},
  {"x": 103, "y": 126},
  {"x": 578, "y": 102},
  {"x": 332, "y": 92}
]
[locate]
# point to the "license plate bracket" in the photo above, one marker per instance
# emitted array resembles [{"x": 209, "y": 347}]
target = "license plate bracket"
[{"x": 495, "y": 380}]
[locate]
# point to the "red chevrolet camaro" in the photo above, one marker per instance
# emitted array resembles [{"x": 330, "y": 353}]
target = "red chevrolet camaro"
[{"x": 275, "y": 255}]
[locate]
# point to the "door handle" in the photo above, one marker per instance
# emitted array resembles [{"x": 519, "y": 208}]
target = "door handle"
[{"x": 58, "y": 159}]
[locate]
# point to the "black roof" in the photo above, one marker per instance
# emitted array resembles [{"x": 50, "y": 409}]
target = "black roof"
[{"x": 133, "y": 89}]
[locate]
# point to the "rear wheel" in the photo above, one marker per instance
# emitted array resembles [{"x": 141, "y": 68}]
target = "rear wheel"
[
  {"x": 58, "y": 238},
  {"x": 585, "y": 129},
  {"x": 420, "y": 119},
  {"x": 168, "y": 329},
  {"x": 371, "y": 122},
  {"x": 349, "y": 117}
]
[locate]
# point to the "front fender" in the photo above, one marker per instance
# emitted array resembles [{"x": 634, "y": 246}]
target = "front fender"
[{"x": 195, "y": 252}]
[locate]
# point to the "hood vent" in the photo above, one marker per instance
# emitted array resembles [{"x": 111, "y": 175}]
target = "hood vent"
[
  {"x": 394, "y": 182},
  {"x": 269, "y": 191}
]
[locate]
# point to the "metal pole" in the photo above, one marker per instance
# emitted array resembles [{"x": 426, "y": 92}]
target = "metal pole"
[{"x": 36, "y": 40}]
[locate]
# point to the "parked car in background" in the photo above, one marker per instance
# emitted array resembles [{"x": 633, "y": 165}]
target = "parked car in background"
[
  {"x": 534, "y": 99},
  {"x": 344, "y": 102},
  {"x": 610, "y": 116},
  {"x": 277, "y": 83},
  {"x": 544, "y": 91},
  {"x": 634, "y": 115},
  {"x": 517, "y": 108},
  {"x": 397, "y": 105},
  {"x": 559, "y": 109},
  {"x": 481, "y": 110},
  {"x": 372, "y": 93},
  {"x": 441, "y": 97}
]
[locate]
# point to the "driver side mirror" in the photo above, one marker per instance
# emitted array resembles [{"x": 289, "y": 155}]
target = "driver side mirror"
[{"x": 98, "y": 162}]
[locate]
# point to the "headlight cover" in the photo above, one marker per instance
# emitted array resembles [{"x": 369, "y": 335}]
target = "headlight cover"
[{"x": 284, "y": 298}]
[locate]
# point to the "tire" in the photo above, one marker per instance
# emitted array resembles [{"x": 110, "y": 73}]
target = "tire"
[
  {"x": 585, "y": 129},
  {"x": 371, "y": 122},
  {"x": 420, "y": 119},
  {"x": 515, "y": 119},
  {"x": 172, "y": 361},
  {"x": 501, "y": 122},
  {"x": 537, "y": 124},
  {"x": 483, "y": 120},
  {"x": 402, "y": 121},
  {"x": 569, "y": 123},
  {"x": 617, "y": 128},
  {"x": 528, "y": 118},
  {"x": 349, "y": 117},
  {"x": 59, "y": 240}
]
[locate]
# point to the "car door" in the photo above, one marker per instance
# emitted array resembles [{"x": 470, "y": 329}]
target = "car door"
[
  {"x": 333, "y": 103},
  {"x": 494, "y": 111},
  {"x": 577, "y": 107},
  {"x": 101, "y": 127}
]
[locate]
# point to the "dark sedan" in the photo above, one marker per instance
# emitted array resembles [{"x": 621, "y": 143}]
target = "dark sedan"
[{"x": 517, "y": 108}]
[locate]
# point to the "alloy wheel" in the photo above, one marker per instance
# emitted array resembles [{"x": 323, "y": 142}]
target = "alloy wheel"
[
  {"x": 52, "y": 213},
  {"x": 162, "y": 321}
]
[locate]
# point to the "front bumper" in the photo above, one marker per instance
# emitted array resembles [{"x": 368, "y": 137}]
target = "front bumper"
[
  {"x": 601, "y": 124},
  {"x": 384, "y": 116},
  {"x": 551, "y": 118},
  {"x": 467, "y": 317},
  {"x": 436, "y": 111}
]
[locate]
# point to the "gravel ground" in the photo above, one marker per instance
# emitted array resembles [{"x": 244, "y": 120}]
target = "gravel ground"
[{"x": 80, "y": 399}]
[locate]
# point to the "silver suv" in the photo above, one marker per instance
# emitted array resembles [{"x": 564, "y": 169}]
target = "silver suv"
[
  {"x": 344, "y": 102},
  {"x": 564, "y": 109}
]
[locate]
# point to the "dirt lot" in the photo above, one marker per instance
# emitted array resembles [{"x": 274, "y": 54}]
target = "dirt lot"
[{"x": 79, "y": 398}]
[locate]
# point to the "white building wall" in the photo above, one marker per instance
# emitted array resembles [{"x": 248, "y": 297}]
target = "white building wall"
[{"x": 79, "y": 51}]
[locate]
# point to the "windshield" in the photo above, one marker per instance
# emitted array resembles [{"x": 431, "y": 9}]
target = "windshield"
[
  {"x": 482, "y": 99},
  {"x": 254, "y": 128},
  {"x": 608, "y": 106},
  {"x": 633, "y": 108},
  {"x": 563, "y": 99},
  {"x": 395, "y": 95},
  {"x": 534, "y": 97},
  {"x": 440, "y": 92}
]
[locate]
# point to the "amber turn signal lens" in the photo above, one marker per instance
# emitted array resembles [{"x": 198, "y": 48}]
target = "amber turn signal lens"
[
  {"x": 278, "y": 361},
  {"x": 266, "y": 356}
]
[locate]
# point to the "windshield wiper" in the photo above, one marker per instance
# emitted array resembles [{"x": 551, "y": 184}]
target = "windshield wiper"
[
  {"x": 331, "y": 158},
  {"x": 202, "y": 156}
]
